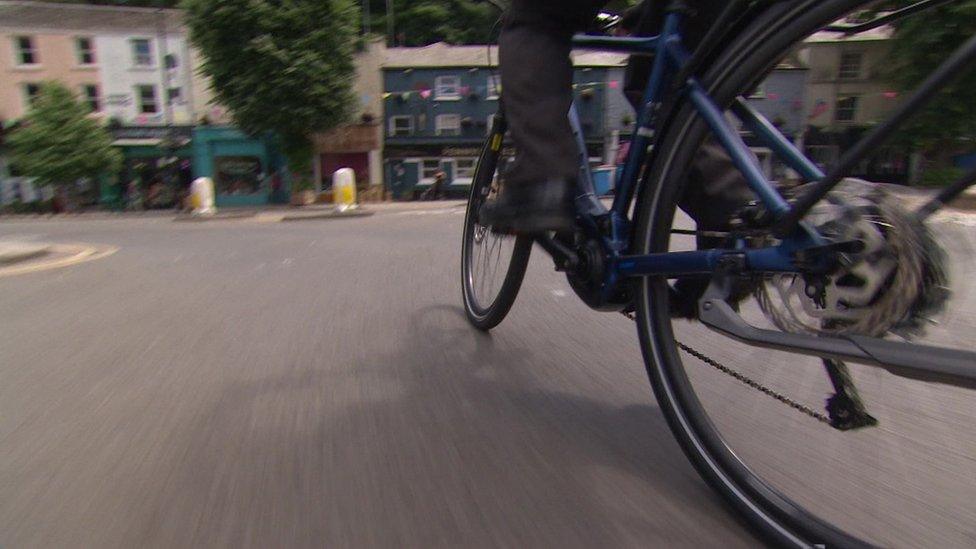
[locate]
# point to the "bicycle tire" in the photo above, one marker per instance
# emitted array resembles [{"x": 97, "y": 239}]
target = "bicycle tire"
[
  {"x": 487, "y": 316},
  {"x": 750, "y": 55}
]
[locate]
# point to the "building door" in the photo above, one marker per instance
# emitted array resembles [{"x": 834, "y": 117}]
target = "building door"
[{"x": 359, "y": 162}]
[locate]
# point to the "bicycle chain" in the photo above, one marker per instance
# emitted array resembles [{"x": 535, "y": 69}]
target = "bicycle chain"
[{"x": 746, "y": 380}]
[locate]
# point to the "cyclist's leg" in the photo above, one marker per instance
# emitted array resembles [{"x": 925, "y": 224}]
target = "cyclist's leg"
[{"x": 537, "y": 76}]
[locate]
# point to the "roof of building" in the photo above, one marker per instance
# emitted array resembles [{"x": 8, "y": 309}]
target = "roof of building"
[
  {"x": 884, "y": 32},
  {"x": 873, "y": 35},
  {"x": 446, "y": 55},
  {"x": 82, "y": 17}
]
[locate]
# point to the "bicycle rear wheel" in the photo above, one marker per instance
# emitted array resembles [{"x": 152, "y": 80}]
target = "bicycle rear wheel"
[
  {"x": 492, "y": 264},
  {"x": 907, "y": 482}
]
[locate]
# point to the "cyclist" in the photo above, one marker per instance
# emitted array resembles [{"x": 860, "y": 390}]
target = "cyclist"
[{"x": 537, "y": 75}]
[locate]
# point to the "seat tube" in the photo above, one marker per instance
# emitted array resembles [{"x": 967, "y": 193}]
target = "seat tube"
[{"x": 644, "y": 133}]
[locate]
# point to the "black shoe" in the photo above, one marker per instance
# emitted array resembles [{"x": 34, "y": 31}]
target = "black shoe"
[{"x": 531, "y": 208}]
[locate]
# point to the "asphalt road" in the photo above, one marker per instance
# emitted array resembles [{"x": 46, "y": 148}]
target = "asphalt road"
[{"x": 316, "y": 384}]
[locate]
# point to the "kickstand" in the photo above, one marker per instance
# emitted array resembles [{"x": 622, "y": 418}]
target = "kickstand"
[{"x": 845, "y": 407}]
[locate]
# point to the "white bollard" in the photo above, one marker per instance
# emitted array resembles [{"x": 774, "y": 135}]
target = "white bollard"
[
  {"x": 202, "y": 196},
  {"x": 344, "y": 189}
]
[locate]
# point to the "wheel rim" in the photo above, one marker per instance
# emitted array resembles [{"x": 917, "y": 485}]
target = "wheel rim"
[
  {"x": 488, "y": 257},
  {"x": 487, "y": 264}
]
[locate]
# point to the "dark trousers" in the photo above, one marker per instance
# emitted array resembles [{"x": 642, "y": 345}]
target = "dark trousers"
[{"x": 537, "y": 77}]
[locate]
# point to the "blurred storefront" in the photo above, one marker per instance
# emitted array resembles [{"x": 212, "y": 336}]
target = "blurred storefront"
[
  {"x": 157, "y": 166},
  {"x": 247, "y": 170}
]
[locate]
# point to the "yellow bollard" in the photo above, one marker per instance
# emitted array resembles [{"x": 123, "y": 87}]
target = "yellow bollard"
[
  {"x": 202, "y": 196},
  {"x": 344, "y": 189}
]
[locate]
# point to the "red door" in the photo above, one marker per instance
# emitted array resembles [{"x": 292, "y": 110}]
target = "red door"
[{"x": 331, "y": 162}]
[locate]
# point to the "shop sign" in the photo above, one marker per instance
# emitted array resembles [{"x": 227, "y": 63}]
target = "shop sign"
[
  {"x": 438, "y": 151},
  {"x": 461, "y": 151},
  {"x": 152, "y": 132},
  {"x": 119, "y": 100}
]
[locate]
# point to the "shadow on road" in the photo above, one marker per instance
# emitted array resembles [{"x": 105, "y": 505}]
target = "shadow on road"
[{"x": 450, "y": 440}]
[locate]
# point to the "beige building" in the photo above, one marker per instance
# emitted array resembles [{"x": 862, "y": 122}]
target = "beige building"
[
  {"x": 846, "y": 94},
  {"x": 359, "y": 144},
  {"x": 134, "y": 65},
  {"x": 30, "y": 56},
  {"x": 846, "y": 87}
]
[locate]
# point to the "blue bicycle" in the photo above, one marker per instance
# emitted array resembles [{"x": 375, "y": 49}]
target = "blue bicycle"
[{"x": 831, "y": 267}]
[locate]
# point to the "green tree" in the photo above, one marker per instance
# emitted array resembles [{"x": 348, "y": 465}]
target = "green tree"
[
  {"x": 419, "y": 23},
  {"x": 282, "y": 66},
  {"x": 58, "y": 143},
  {"x": 128, "y": 3},
  {"x": 920, "y": 44},
  {"x": 451, "y": 21}
]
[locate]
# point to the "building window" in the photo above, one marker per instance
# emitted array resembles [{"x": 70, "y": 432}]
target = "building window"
[
  {"x": 846, "y": 108},
  {"x": 464, "y": 169},
  {"x": 447, "y": 124},
  {"x": 494, "y": 86},
  {"x": 86, "y": 50},
  {"x": 31, "y": 92},
  {"x": 429, "y": 168},
  {"x": 90, "y": 93},
  {"x": 238, "y": 175},
  {"x": 401, "y": 125},
  {"x": 447, "y": 87},
  {"x": 173, "y": 95},
  {"x": 26, "y": 50},
  {"x": 146, "y": 96},
  {"x": 170, "y": 61},
  {"x": 141, "y": 52},
  {"x": 850, "y": 65}
]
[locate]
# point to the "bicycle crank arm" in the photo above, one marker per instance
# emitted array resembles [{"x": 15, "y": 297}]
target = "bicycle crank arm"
[{"x": 921, "y": 362}]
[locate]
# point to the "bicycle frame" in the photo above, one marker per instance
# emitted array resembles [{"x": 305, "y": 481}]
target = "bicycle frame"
[{"x": 670, "y": 58}]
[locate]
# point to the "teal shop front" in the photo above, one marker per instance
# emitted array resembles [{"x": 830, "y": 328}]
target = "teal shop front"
[{"x": 246, "y": 170}]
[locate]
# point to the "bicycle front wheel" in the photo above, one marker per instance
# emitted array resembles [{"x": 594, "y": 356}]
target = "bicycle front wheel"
[
  {"x": 492, "y": 264},
  {"x": 754, "y": 421}
]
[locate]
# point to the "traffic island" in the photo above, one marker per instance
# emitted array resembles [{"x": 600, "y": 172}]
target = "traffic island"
[
  {"x": 15, "y": 251},
  {"x": 29, "y": 257}
]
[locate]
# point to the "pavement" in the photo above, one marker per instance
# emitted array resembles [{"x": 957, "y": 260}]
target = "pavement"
[
  {"x": 276, "y": 214},
  {"x": 316, "y": 384}
]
